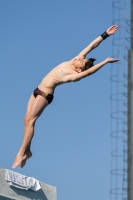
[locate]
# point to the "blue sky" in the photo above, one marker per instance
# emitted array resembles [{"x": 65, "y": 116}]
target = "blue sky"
[{"x": 71, "y": 146}]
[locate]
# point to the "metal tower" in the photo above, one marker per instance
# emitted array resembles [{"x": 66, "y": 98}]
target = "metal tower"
[{"x": 119, "y": 103}]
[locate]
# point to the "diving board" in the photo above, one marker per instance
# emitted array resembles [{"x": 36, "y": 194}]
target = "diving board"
[{"x": 7, "y": 192}]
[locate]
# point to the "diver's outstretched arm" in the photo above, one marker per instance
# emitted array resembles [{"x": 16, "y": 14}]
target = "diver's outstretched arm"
[
  {"x": 110, "y": 31},
  {"x": 78, "y": 76}
]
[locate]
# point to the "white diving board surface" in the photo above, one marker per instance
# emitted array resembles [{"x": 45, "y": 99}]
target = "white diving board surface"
[{"x": 7, "y": 192}]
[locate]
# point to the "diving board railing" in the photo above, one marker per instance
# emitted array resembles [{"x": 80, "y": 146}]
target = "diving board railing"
[{"x": 7, "y": 192}]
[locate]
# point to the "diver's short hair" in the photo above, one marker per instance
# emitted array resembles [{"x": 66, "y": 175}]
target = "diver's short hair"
[{"x": 92, "y": 60}]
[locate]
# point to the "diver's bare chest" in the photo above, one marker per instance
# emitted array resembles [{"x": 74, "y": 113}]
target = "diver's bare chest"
[{"x": 64, "y": 70}]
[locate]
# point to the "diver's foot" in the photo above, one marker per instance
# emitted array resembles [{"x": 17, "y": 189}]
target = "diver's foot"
[
  {"x": 28, "y": 154},
  {"x": 18, "y": 160}
]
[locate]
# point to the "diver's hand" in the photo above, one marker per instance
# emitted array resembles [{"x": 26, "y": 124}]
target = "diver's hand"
[
  {"x": 111, "y": 60},
  {"x": 111, "y": 30}
]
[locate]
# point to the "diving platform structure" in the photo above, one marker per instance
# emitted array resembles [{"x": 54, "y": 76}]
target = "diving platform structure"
[{"x": 7, "y": 192}]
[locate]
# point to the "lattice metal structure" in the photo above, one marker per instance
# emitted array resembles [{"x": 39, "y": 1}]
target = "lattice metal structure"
[{"x": 119, "y": 102}]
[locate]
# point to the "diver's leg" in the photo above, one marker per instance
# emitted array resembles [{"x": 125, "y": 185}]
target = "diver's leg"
[{"x": 34, "y": 110}]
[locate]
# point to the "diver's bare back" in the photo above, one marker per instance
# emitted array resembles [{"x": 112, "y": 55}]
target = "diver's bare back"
[{"x": 55, "y": 77}]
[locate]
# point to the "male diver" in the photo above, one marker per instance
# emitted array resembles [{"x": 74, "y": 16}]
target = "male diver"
[{"x": 69, "y": 71}]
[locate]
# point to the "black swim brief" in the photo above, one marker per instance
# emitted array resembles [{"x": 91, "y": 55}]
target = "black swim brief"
[{"x": 47, "y": 96}]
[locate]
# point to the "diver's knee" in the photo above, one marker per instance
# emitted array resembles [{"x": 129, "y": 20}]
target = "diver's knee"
[{"x": 29, "y": 120}]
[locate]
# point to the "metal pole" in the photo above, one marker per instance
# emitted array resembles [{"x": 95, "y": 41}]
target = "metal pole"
[
  {"x": 130, "y": 125},
  {"x": 130, "y": 113}
]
